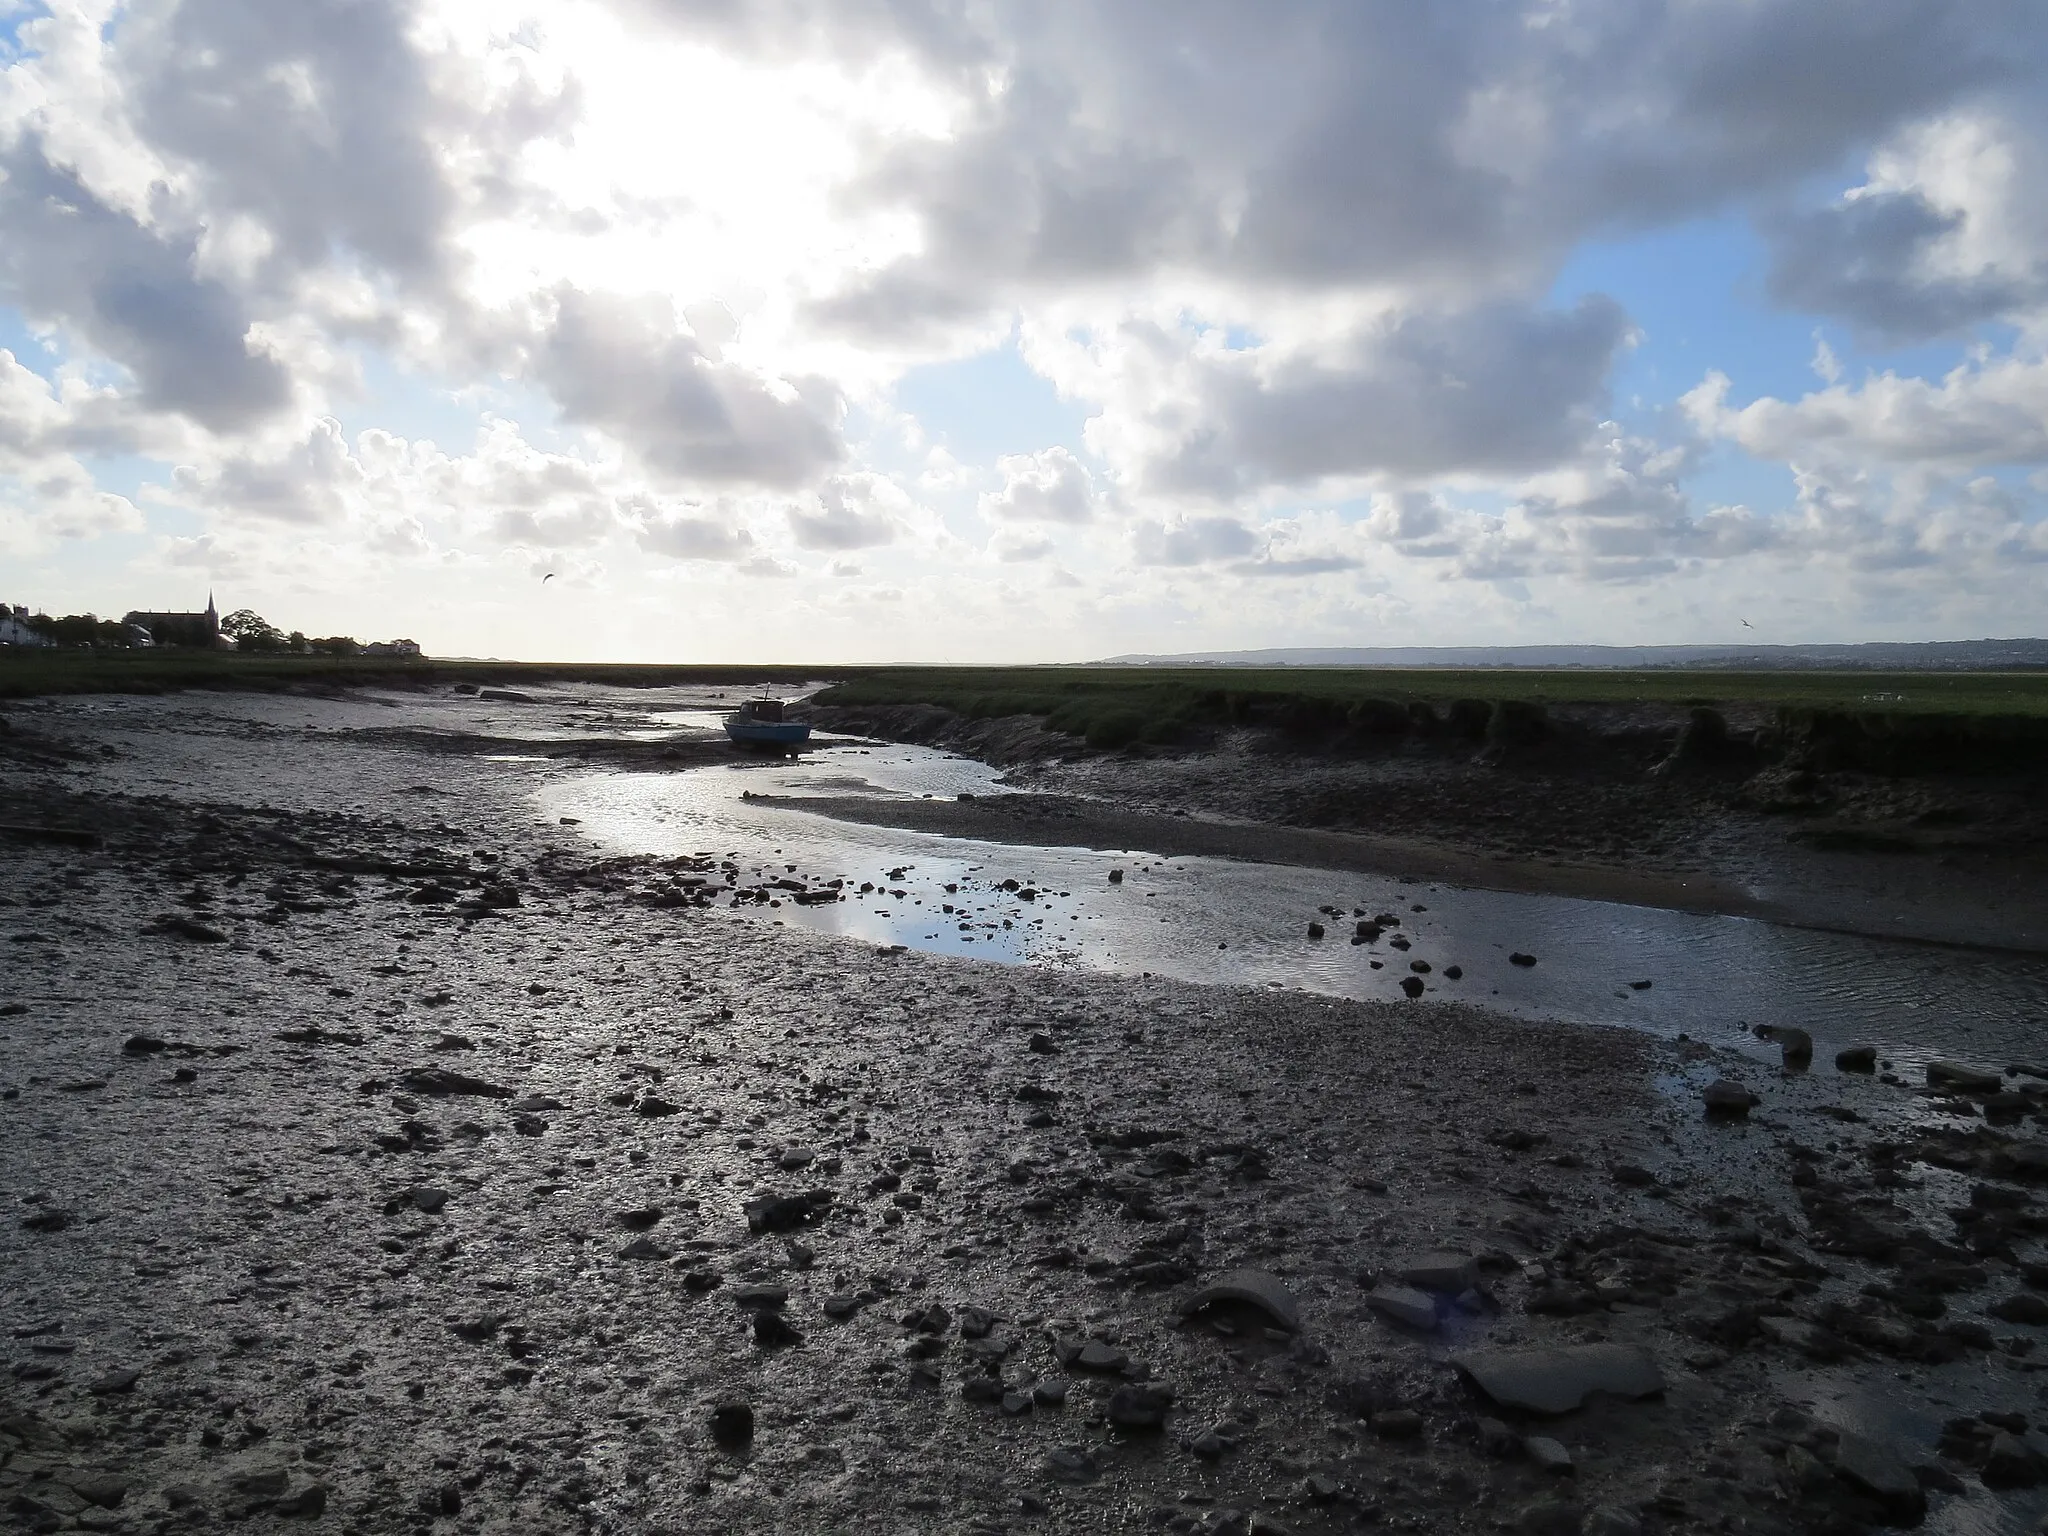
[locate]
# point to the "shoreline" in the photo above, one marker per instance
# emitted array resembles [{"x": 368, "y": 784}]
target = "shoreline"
[{"x": 1027, "y": 819}]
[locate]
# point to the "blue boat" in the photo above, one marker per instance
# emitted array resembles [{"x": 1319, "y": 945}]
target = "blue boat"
[{"x": 761, "y": 723}]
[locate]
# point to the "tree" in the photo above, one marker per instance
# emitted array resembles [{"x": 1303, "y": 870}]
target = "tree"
[{"x": 252, "y": 632}]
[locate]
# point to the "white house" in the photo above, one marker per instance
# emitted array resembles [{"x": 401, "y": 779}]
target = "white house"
[{"x": 14, "y": 628}]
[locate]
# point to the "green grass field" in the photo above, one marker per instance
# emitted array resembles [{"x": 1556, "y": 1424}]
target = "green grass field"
[
  {"x": 27, "y": 673},
  {"x": 1107, "y": 705}
]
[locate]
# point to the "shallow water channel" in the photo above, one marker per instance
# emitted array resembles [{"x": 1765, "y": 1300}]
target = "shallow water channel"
[{"x": 1222, "y": 921}]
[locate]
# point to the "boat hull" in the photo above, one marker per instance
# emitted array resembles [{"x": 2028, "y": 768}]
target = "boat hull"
[{"x": 768, "y": 733}]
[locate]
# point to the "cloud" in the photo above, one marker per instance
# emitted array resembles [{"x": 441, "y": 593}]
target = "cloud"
[
  {"x": 1982, "y": 413},
  {"x": 1497, "y": 390},
  {"x": 684, "y": 537},
  {"x": 1191, "y": 541},
  {"x": 1051, "y": 486},
  {"x": 624, "y": 365},
  {"x": 1949, "y": 229},
  {"x": 857, "y": 511}
]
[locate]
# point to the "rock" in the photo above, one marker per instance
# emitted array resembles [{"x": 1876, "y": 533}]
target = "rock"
[
  {"x": 1795, "y": 1045},
  {"x": 1865, "y": 1464},
  {"x": 1953, "y": 1077},
  {"x": 1412, "y": 986},
  {"x": 1069, "y": 1464},
  {"x": 975, "y": 1322},
  {"x": 1050, "y": 1394},
  {"x": 440, "y": 1083},
  {"x": 1098, "y": 1356},
  {"x": 1315, "y": 930},
  {"x": 1856, "y": 1058},
  {"x": 94, "y": 1488},
  {"x": 1252, "y": 1287},
  {"x": 1611, "y": 1520},
  {"x": 1446, "y": 1272},
  {"x": 640, "y": 1219},
  {"x": 428, "y": 1201},
  {"x": 653, "y": 1107},
  {"x": 1043, "y": 1044},
  {"x": 760, "y": 1295},
  {"x": 732, "y": 1424},
  {"x": 1549, "y": 1517},
  {"x": 114, "y": 1382},
  {"x": 1396, "y": 1423},
  {"x": 48, "y": 1219},
  {"x": 2022, "y": 1307},
  {"x": 794, "y": 1158},
  {"x": 143, "y": 1045},
  {"x": 1549, "y": 1454},
  {"x": 643, "y": 1248},
  {"x": 699, "y": 1280},
  {"x": 1141, "y": 1406},
  {"x": 1405, "y": 1305},
  {"x": 1558, "y": 1380},
  {"x": 773, "y": 1331},
  {"x": 2010, "y": 1464},
  {"x": 1729, "y": 1100},
  {"x": 783, "y": 1213},
  {"x": 1810, "y": 1339},
  {"x": 986, "y": 1390},
  {"x": 1498, "y": 1441},
  {"x": 1521, "y": 959}
]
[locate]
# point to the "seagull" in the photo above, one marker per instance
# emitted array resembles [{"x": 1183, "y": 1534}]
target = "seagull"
[
  {"x": 551, "y": 576},
  {"x": 1747, "y": 625}
]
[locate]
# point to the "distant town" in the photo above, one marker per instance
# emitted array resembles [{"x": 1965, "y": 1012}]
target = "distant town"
[{"x": 200, "y": 630}]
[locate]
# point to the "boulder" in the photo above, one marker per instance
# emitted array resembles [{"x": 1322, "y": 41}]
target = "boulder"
[
  {"x": 1405, "y": 1305},
  {"x": 1446, "y": 1272},
  {"x": 1728, "y": 1100},
  {"x": 1560, "y": 1379},
  {"x": 1953, "y": 1077},
  {"x": 1856, "y": 1058},
  {"x": 1251, "y": 1287},
  {"x": 1869, "y": 1466}
]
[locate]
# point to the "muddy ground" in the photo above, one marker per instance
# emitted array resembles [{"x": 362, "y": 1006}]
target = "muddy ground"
[
  {"x": 1607, "y": 804},
  {"x": 380, "y": 1158}
]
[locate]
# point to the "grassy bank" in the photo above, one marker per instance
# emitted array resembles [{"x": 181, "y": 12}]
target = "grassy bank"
[
  {"x": 27, "y": 673},
  {"x": 1110, "y": 705}
]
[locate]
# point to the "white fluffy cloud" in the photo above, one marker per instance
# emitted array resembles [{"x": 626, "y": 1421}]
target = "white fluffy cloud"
[
  {"x": 1051, "y": 486},
  {"x": 1294, "y": 268}
]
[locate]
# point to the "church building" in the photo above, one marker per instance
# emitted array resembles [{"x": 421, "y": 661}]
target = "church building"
[{"x": 199, "y": 630}]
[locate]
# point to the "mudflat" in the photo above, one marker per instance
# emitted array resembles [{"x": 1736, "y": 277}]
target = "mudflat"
[{"x": 384, "y": 1157}]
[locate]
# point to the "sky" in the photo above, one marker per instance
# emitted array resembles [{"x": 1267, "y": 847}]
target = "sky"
[{"x": 971, "y": 330}]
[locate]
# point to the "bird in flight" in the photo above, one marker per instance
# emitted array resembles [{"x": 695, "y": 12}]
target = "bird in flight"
[
  {"x": 551, "y": 576},
  {"x": 1747, "y": 625}
]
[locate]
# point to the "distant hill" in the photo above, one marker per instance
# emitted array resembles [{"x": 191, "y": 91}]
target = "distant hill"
[{"x": 1878, "y": 656}]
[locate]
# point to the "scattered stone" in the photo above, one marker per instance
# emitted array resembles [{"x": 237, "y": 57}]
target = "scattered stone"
[
  {"x": 795, "y": 1158},
  {"x": 440, "y": 1083},
  {"x": 1548, "y": 1454},
  {"x": 644, "y": 1248},
  {"x": 1794, "y": 1045},
  {"x": 1498, "y": 1441},
  {"x": 114, "y": 1382},
  {"x": 1405, "y": 1305},
  {"x": 1519, "y": 958},
  {"x": 732, "y": 1425},
  {"x": 1856, "y": 1058},
  {"x": 1611, "y": 1520},
  {"x": 1251, "y": 1287},
  {"x": 2021, "y": 1307},
  {"x": 2009, "y": 1463},
  {"x": 1557, "y": 1380},
  {"x": 774, "y": 1331},
  {"x": 640, "y": 1219},
  {"x": 1069, "y": 1464},
  {"x": 1953, "y": 1077},
  {"x": 1043, "y": 1044},
  {"x": 1396, "y": 1423},
  {"x": 1412, "y": 986},
  {"x": 784, "y": 1213},
  {"x": 1140, "y": 1406},
  {"x": 48, "y": 1219},
  {"x": 1727, "y": 1099},
  {"x": 651, "y": 1106},
  {"x": 1865, "y": 1464},
  {"x": 1446, "y": 1272},
  {"x": 428, "y": 1201}
]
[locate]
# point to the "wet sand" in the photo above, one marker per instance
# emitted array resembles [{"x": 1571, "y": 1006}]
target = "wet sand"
[{"x": 383, "y": 1158}]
